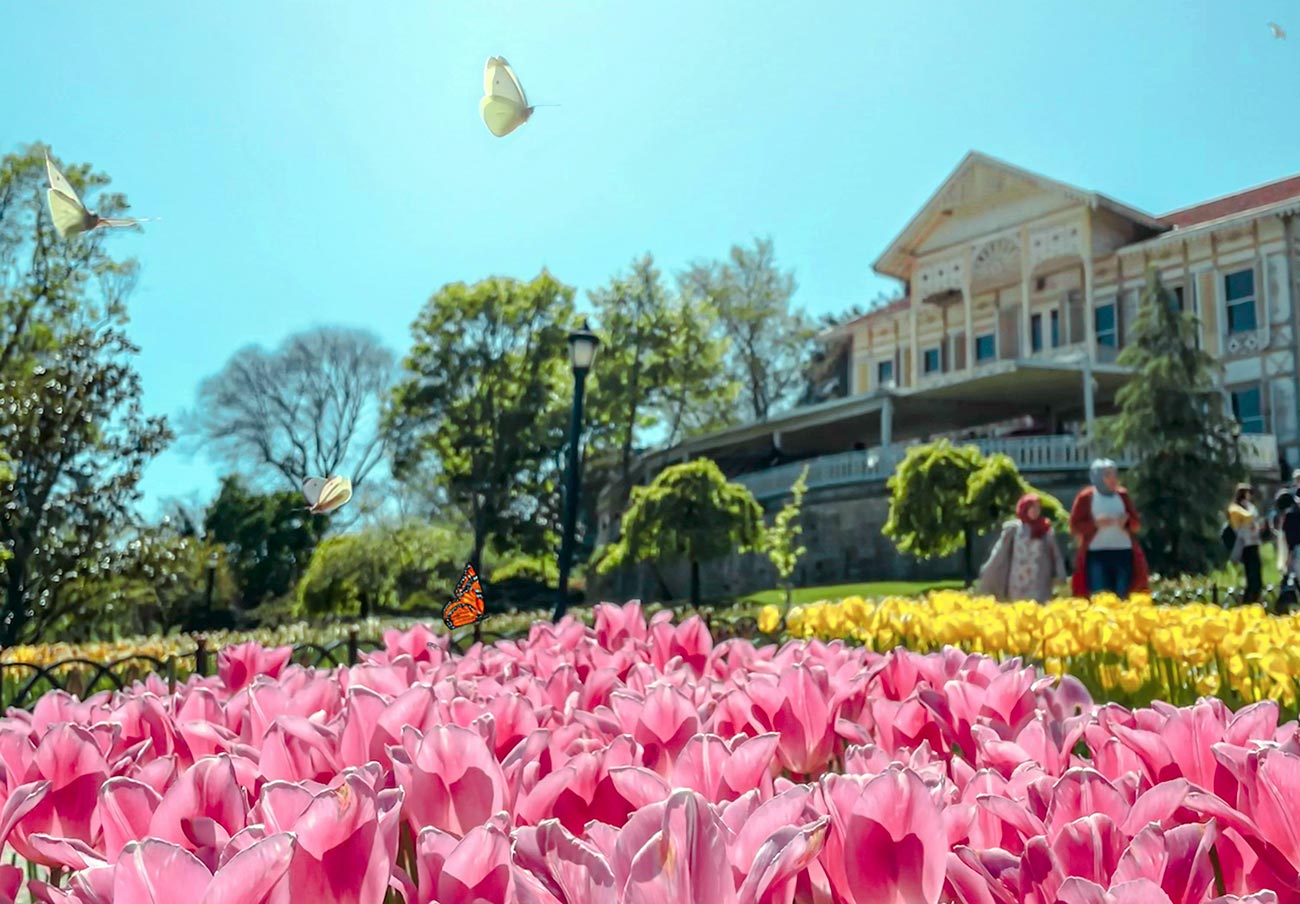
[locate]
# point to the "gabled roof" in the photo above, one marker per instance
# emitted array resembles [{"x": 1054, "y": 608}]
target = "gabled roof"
[
  {"x": 1238, "y": 202},
  {"x": 894, "y": 261}
]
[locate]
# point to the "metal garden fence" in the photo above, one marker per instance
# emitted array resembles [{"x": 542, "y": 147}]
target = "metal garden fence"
[{"x": 22, "y": 683}]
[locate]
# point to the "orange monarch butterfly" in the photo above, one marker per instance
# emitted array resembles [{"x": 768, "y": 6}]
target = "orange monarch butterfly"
[{"x": 466, "y": 607}]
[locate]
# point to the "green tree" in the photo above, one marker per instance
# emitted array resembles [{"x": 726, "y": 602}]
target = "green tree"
[
  {"x": 388, "y": 568},
  {"x": 73, "y": 424},
  {"x": 663, "y": 360},
  {"x": 484, "y": 411},
  {"x": 781, "y": 540},
  {"x": 943, "y": 496},
  {"x": 689, "y": 511},
  {"x": 768, "y": 344},
  {"x": 268, "y": 539},
  {"x": 1173, "y": 422},
  {"x": 157, "y": 583}
]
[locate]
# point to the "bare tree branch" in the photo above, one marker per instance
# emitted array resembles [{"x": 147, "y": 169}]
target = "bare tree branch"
[{"x": 310, "y": 407}]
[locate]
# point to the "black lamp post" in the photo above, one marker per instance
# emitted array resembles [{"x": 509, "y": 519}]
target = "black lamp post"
[
  {"x": 582, "y": 352},
  {"x": 211, "y": 568}
]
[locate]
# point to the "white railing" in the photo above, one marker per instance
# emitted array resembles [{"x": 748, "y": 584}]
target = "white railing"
[
  {"x": 1259, "y": 451},
  {"x": 1030, "y": 454}
]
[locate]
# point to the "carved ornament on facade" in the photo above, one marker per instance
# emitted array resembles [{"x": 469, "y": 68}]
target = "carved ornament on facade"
[
  {"x": 1244, "y": 343},
  {"x": 939, "y": 276},
  {"x": 1050, "y": 242},
  {"x": 998, "y": 260}
]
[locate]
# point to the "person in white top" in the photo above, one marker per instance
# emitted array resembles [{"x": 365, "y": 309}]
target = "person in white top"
[{"x": 1105, "y": 524}]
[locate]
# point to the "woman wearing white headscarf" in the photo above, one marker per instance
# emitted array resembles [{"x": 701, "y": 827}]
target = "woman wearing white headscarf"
[{"x": 1105, "y": 525}]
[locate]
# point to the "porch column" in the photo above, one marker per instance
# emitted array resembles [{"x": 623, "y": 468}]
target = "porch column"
[
  {"x": 1089, "y": 403},
  {"x": 914, "y": 366},
  {"x": 887, "y": 422},
  {"x": 968, "y": 306},
  {"x": 1089, "y": 303},
  {"x": 1026, "y": 341}
]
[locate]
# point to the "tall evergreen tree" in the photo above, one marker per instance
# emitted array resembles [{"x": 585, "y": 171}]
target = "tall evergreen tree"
[{"x": 1173, "y": 421}]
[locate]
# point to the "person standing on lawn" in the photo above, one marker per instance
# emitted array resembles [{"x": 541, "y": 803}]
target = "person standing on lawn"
[
  {"x": 1105, "y": 525},
  {"x": 1244, "y": 518},
  {"x": 1025, "y": 562}
]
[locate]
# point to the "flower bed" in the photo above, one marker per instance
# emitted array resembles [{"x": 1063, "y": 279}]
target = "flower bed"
[
  {"x": 639, "y": 762},
  {"x": 1132, "y": 652}
]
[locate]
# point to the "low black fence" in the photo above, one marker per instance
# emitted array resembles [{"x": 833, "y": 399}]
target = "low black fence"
[
  {"x": 1275, "y": 598},
  {"x": 23, "y": 683}
]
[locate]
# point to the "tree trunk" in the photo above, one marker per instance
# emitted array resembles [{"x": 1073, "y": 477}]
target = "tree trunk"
[
  {"x": 695, "y": 584},
  {"x": 365, "y": 605},
  {"x": 968, "y": 555},
  {"x": 665, "y": 592},
  {"x": 12, "y": 622}
]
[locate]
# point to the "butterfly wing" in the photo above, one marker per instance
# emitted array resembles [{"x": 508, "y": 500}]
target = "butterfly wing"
[
  {"x": 60, "y": 183},
  {"x": 502, "y": 115},
  {"x": 69, "y": 216},
  {"x": 115, "y": 222},
  {"x": 335, "y": 494},
  {"x": 490, "y": 69},
  {"x": 467, "y": 605},
  {"x": 499, "y": 80},
  {"x": 311, "y": 488}
]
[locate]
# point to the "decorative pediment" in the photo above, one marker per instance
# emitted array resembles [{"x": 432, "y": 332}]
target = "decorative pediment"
[{"x": 984, "y": 196}]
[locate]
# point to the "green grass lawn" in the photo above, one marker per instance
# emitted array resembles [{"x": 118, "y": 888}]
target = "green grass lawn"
[{"x": 875, "y": 589}]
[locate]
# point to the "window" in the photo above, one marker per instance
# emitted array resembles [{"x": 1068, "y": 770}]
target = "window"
[
  {"x": 1107, "y": 326},
  {"x": 931, "y": 362},
  {"x": 1177, "y": 299},
  {"x": 985, "y": 348},
  {"x": 1248, "y": 409},
  {"x": 1036, "y": 333},
  {"x": 1056, "y": 328},
  {"x": 884, "y": 372},
  {"x": 1239, "y": 293}
]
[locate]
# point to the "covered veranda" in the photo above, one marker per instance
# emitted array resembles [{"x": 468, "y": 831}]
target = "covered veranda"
[{"x": 1051, "y": 391}]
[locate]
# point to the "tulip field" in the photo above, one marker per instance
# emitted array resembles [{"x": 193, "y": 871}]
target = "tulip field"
[
  {"x": 639, "y": 761},
  {"x": 1132, "y": 651}
]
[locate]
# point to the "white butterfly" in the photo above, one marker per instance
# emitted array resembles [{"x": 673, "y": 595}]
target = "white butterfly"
[
  {"x": 326, "y": 494},
  {"x": 71, "y": 216},
  {"x": 504, "y": 107},
  {"x": 1278, "y": 31}
]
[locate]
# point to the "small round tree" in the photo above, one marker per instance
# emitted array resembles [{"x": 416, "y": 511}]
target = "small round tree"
[
  {"x": 943, "y": 496},
  {"x": 689, "y": 511}
]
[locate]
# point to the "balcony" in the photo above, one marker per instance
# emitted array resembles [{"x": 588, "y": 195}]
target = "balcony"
[{"x": 1032, "y": 454}]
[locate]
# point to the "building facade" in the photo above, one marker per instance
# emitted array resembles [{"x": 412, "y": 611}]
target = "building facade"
[{"x": 1019, "y": 294}]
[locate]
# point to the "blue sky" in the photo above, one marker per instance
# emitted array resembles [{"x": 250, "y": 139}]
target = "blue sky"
[{"x": 325, "y": 162}]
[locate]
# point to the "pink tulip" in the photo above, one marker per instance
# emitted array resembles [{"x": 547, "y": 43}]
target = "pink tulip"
[
  {"x": 451, "y": 779},
  {"x": 661, "y": 723},
  {"x": 69, "y": 758},
  {"x": 126, "y": 809},
  {"x": 723, "y": 771},
  {"x": 346, "y": 836},
  {"x": 474, "y": 869},
  {"x": 237, "y": 666},
  {"x": 570, "y": 870},
  {"x": 200, "y": 813},
  {"x": 155, "y": 872},
  {"x": 673, "y": 852},
  {"x": 887, "y": 842}
]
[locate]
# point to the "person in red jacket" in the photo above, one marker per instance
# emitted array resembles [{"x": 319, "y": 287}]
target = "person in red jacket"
[{"x": 1105, "y": 525}]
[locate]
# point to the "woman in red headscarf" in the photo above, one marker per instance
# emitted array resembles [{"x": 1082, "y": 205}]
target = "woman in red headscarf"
[{"x": 1026, "y": 562}]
